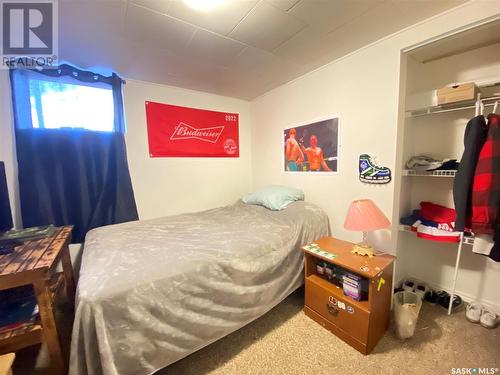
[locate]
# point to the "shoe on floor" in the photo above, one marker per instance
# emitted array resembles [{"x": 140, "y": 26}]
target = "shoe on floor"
[
  {"x": 408, "y": 285},
  {"x": 488, "y": 319},
  {"x": 432, "y": 297},
  {"x": 473, "y": 312},
  {"x": 444, "y": 301},
  {"x": 421, "y": 289}
]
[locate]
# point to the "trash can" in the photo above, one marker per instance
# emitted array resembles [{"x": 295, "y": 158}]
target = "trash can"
[{"x": 406, "y": 309}]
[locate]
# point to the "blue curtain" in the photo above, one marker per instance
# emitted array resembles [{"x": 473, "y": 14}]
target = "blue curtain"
[{"x": 71, "y": 176}]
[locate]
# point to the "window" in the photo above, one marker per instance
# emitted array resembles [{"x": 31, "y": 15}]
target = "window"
[
  {"x": 70, "y": 145},
  {"x": 67, "y": 98},
  {"x": 57, "y": 105}
]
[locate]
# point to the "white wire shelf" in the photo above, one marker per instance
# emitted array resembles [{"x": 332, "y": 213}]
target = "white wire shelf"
[
  {"x": 436, "y": 173},
  {"x": 469, "y": 104},
  {"x": 468, "y": 240}
]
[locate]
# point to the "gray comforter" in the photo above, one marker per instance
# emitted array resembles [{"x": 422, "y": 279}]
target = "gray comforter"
[{"x": 152, "y": 292}]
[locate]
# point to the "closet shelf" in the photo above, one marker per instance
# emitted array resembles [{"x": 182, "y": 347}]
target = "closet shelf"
[
  {"x": 468, "y": 240},
  {"x": 469, "y": 104},
  {"x": 436, "y": 173}
]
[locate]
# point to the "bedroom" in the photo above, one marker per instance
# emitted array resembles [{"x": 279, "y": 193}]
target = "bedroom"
[{"x": 278, "y": 65}]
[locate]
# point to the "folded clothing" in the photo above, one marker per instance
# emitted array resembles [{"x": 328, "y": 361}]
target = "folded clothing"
[
  {"x": 424, "y": 162},
  {"x": 415, "y": 216},
  {"x": 435, "y": 234},
  {"x": 409, "y": 220},
  {"x": 440, "y": 226},
  {"x": 433, "y": 222},
  {"x": 437, "y": 213},
  {"x": 448, "y": 165}
]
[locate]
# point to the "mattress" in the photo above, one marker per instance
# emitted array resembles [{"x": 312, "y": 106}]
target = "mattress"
[{"x": 152, "y": 292}]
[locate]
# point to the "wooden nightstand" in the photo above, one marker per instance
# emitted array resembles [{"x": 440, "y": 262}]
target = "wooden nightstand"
[
  {"x": 34, "y": 263},
  {"x": 359, "y": 323}
]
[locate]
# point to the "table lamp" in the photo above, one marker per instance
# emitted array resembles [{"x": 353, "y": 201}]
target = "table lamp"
[{"x": 364, "y": 215}]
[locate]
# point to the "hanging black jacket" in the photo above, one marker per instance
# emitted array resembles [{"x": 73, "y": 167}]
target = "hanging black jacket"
[{"x": 474, "y": 139}]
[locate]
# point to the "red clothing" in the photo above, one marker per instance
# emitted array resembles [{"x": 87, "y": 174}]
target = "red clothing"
[
  {"x": 439, "y": 214},
  {"x": 486, "y": 186}
]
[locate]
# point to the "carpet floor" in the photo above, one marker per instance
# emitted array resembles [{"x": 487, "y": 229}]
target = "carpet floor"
[{"x": 285, "y": 341}]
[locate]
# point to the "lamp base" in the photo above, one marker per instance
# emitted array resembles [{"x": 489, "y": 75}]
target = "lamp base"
[{"x": 363, "y": 249}]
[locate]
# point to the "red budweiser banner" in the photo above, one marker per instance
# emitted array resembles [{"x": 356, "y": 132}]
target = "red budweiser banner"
[{"x": 189, "y": 132}]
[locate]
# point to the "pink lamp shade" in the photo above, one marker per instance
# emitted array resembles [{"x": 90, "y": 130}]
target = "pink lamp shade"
[{"x": 364, "y": 215}]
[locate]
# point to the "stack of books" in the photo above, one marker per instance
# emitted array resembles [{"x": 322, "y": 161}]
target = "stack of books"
[{"x": 352, "y": 286}]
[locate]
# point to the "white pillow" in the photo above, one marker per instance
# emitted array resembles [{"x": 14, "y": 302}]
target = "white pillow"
[{"x": 274, "y": 197}]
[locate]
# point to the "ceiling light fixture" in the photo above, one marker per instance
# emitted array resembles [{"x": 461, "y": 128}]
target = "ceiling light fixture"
[{"x": 204, "y": 5}]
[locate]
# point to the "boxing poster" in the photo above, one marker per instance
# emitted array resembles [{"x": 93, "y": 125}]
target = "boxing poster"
[
  {"x": 175, "y": 131},
  {"x": 313, "y": 147}
]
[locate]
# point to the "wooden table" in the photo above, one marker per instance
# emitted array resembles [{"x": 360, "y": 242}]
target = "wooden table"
[
  {"x": 34, "y": 263},
  {"x": 359, "y": 323}
]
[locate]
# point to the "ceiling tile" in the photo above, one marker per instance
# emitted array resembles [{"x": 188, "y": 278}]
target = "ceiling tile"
[
  {"x": 161, "y": 6},
  {"x": 178, "y": 70},
  {"x": 147, "y": 42},
  {"x": 164, "y": 61},
  {"x": 266, "y": 27},
  {"x": 281, "y": 72},
  {"x": 329, "y": 15},
  {"x": 214, "y": 48},
  {"x": 368, "y": 28},
  {"x": 109, "y": 53},
  {"x": 304, "y": 47},
  {"x": 155, "y": 29},
  {"x": 203, "y": 76},
  {"x": 418, "y": 10},
  {"x": 108, "y": 15},
  {"x": 221, "y": 20},
  {"x": 254, "y": 59},
  {"x": 251, "y": 86},
  {"x": 266, "y": 76},
  {"x": 285, "y": 5}
]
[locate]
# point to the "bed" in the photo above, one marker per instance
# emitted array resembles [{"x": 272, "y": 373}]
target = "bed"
[{"x": 152, "y": 292}]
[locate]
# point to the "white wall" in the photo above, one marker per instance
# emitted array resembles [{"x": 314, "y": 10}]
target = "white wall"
[
  {"x": 162, "y": 186},
  {"x": 346, "y": 88},
  {"x": 364, "y": 89},
  {"x": 168, "y": 186}
]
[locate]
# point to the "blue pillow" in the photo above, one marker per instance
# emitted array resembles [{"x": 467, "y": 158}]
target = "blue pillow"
[{"x": 274, "y": 197}]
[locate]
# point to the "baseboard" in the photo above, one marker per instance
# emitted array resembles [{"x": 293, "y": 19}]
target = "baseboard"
[{"x": 467, "y": 297}]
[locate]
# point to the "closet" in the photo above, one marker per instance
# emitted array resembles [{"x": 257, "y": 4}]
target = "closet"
[{"x": 426, "y": 128}]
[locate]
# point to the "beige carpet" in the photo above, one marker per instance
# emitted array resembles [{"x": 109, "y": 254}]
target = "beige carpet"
[{"x": 285, "y": 341}]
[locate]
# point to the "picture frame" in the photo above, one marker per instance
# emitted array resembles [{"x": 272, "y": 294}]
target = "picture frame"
[{"x": 312, "y": 148}]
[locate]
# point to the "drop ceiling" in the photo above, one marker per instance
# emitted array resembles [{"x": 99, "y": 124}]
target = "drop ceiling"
[{"x": 242, "y": 49}]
